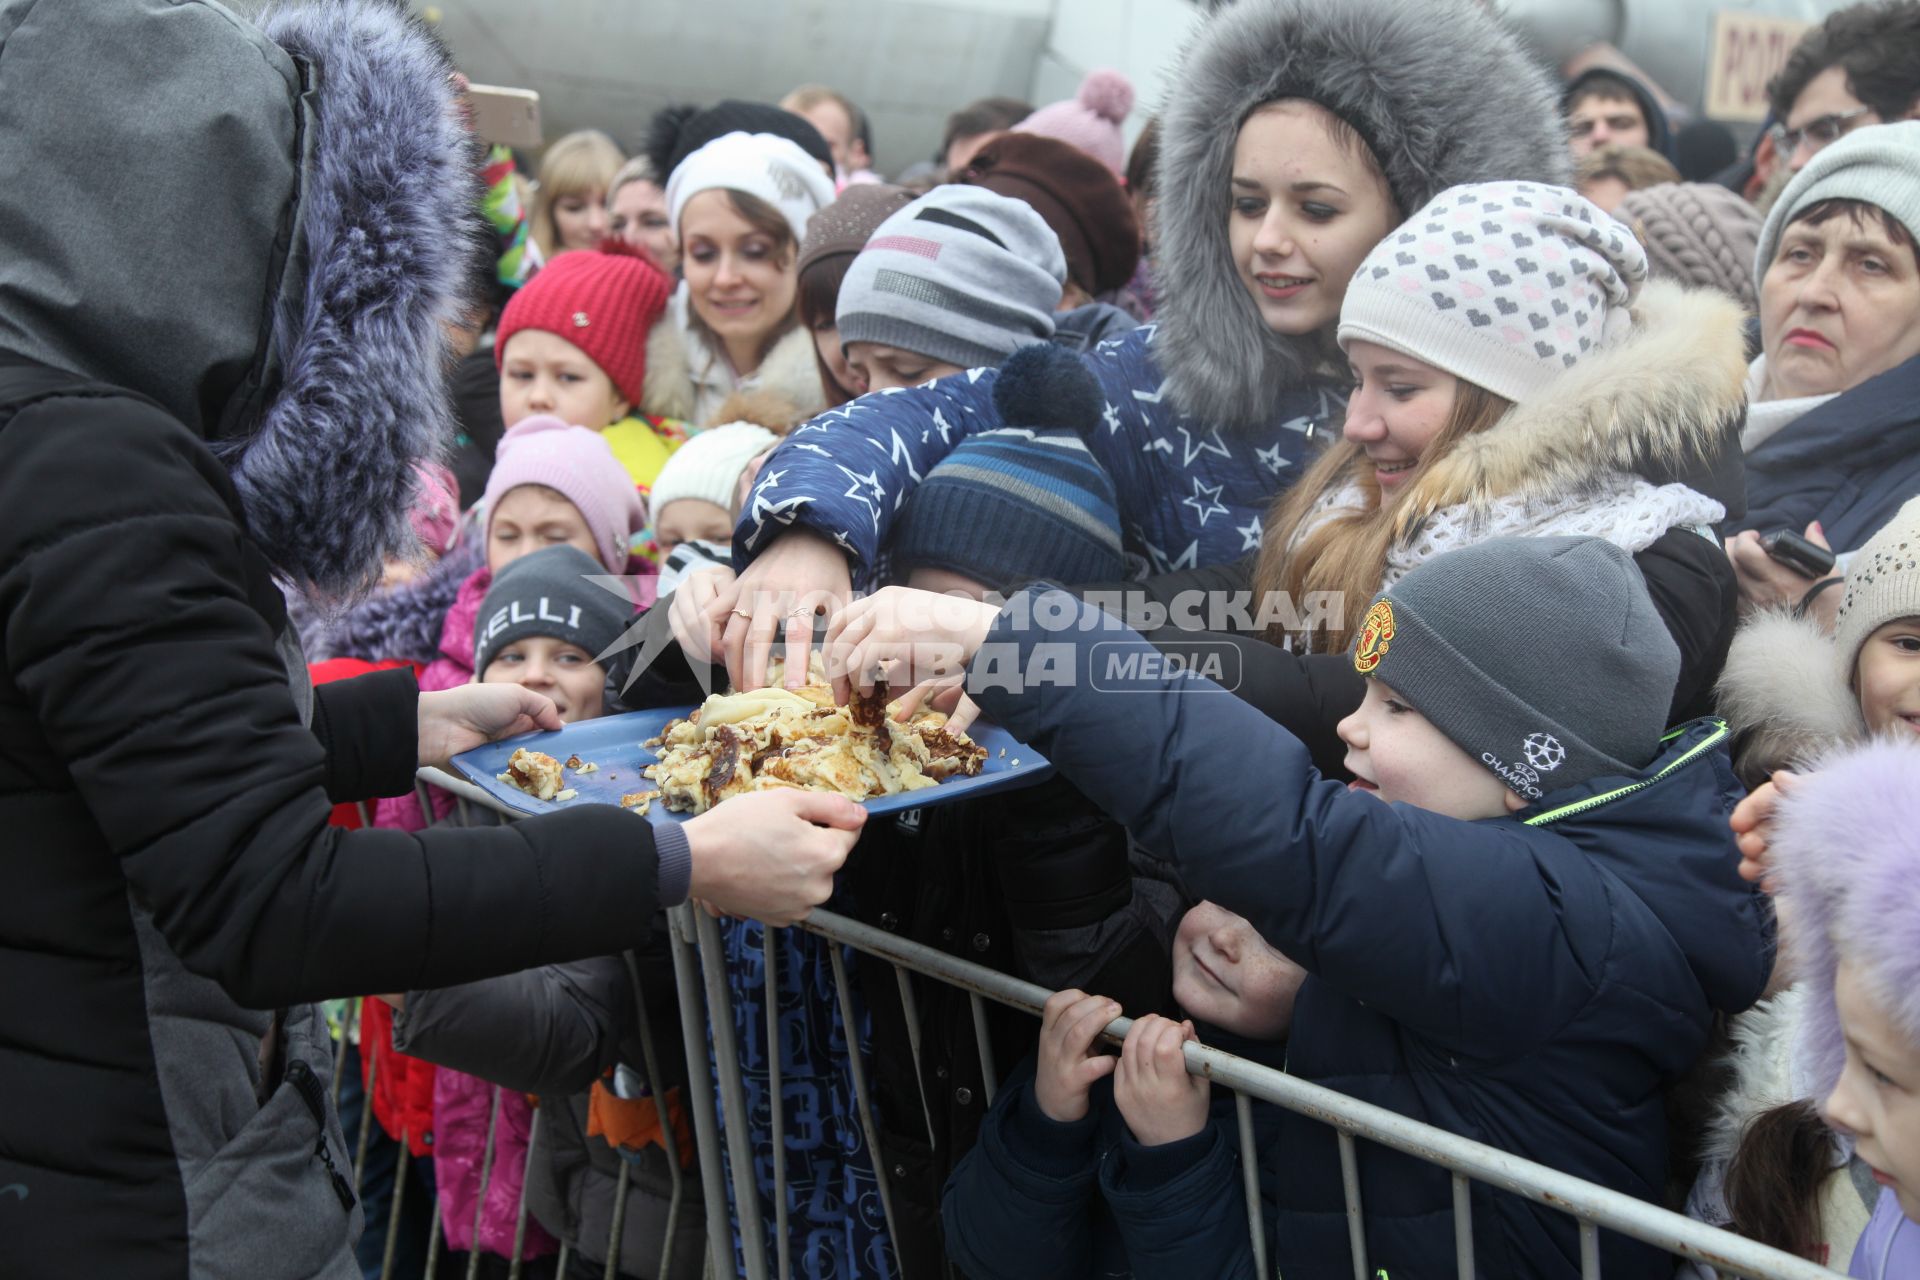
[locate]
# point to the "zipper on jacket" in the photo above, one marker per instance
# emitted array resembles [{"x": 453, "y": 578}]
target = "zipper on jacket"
[
  {"x": 307, "y": 1085},
  {"x": 1593, "y": 802}
]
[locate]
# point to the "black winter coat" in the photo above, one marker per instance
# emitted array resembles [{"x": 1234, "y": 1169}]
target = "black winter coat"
[{"x": 168, "y": 864}]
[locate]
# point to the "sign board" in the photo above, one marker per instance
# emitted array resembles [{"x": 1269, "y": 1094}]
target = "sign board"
[{"x": 1746, "y": 51}]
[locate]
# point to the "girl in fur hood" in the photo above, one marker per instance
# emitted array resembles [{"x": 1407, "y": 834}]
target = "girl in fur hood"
[
  {"x": 1847, "y": 851},
  {"x": 1376, "y": 103},
  {"x": 1772, "y": 1170}
]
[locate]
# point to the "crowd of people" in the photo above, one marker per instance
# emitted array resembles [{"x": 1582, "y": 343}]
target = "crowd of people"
[{"x": 1561, "y": 788}]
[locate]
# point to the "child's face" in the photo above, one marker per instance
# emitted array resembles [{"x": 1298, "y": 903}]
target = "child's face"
[
  {"x": 1305, "y": 210},
  {"x": 564, "y": 672},
  {"x": 1225, "y": 974},
  {"x": 542, "y": 372},
  {"x": 826, "y": 340},
  {"x": 1887, "y": 678},
  {"x": 1398, "y": 406},
  {"x": 1878, "y": 1097},
  {"x": 531, "y": 518},
  {"x": 692, "y": 520},
  {"x": 1395, "y": 753},
  {"x": 740, "y": 281},
  {"x": 878, "y": 367}
]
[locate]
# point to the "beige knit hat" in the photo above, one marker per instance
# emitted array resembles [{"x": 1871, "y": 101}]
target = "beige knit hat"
[
  {"x": 1696, "y": 234},
  {"x": 1883, "y": 583}
]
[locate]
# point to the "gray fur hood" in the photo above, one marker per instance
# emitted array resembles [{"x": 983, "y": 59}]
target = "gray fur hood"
[
  {"x": 1439, "y": 89},
  {"x": 257, "y": 227}
]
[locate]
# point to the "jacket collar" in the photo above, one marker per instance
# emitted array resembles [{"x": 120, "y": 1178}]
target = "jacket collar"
[{"x": 1667, "y": 397}]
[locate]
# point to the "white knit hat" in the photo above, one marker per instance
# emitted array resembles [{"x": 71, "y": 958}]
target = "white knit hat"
[
  {"x": 1883, "y": 583},
  {"x": 1502, "y": 284},
  {"x": 708, "y": 466},
  {"x": 1877, "y": 165},
  {"x": 773, "y": 168}
]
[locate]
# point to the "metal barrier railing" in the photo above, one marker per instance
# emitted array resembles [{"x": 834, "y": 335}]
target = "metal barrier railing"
[{"x": 699, "y": 968}]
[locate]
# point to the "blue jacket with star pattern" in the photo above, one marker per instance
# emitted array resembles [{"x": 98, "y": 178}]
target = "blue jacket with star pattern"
[{"x": 1190, "y": 493}]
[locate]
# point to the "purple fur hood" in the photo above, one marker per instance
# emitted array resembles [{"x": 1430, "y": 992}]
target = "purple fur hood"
[
  {"x": 259, "y": 227},
  {"x": 1846, "y": 847}
]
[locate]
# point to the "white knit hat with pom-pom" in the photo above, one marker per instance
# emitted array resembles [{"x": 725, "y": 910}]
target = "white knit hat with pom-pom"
[{"x": 1091, "y": 120}]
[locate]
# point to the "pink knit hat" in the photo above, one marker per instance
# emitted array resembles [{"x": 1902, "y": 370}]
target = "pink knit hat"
[
  {"x": 1091, "y": 121},
  {"x": 580, "y": 466}
]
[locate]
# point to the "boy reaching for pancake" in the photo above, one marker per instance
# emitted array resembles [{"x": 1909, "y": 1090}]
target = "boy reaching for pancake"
[{"x": 1517, "y": 924}]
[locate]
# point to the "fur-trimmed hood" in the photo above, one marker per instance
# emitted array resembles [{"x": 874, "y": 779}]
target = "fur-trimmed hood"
[
  {"x": 1786, "y": 692},
  {"x": 1441, "y": 91},
  {"x": 1667, "y": 398},
  {"x": 1846, "y": 851},
  {"x": 258, "y": 227}
]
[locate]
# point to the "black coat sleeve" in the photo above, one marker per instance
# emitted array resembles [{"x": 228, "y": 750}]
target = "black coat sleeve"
[
  {"x": 1697, "y": 596},
  {"x": 369, "y": 729},
  {"x": 148, "y": 672}
]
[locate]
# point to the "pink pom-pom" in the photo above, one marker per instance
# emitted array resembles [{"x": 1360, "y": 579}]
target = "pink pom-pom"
[{"x": 1107, "y": 94}]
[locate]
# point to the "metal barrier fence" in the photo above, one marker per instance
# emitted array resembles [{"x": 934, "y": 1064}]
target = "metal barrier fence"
[{"x": 699, "y": 968}]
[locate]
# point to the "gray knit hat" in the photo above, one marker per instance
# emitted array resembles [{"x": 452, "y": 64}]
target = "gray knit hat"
[
  {"x": 1878, "y": 165},
  {"x": 962, "y": 275},
  {"x": 551, "y": 593},
  {"x": 1542, "y": 658},
  {"x": 1504, "y": 284},
  {"x": 1696, "y": 233},
  {"x": 1883, "y": 583}
]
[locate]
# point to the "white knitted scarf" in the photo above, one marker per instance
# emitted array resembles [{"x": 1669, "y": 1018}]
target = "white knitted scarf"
[{"x": 1623, "y": 509}]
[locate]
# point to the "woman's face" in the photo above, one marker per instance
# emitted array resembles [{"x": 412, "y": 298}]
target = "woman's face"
[
  {"x": 1304, "y": 211},
  {"x": 565, "y": 673},
  {"x": 530, "y": 518},
  {"x": 1398, "y": 406},
  {"x": 1839, "y": 304},
  {"x": 1887, "y": 678},
  {"x": 826, "y": 340},
  {"x": 742, "y": 283},
  {"x": 638, "y": 214},
  {"x": 876, "y": 367},
  {"x": 580, "y": 218},
  {"x": 1877, "y": 1099}
]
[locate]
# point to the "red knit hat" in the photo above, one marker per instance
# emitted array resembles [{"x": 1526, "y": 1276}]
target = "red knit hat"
[{"x": 604, "y": 301}]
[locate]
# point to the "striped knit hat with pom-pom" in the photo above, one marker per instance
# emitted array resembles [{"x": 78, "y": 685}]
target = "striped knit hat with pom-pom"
[
  {"x": 1696, "y": 234},
  {"x": 1024, "y": 501},
  {"x": 1090, "y": 120}
]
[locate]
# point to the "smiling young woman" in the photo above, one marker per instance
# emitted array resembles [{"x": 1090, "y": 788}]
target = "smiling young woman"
[{"x": 739, "y": 206}]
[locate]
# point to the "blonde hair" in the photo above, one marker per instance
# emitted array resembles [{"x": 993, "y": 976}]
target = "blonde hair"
[
  {"x": 1637, "y": 167},
  {"x": 638, "y": 169},
  {"x": 574, "y": 165},
  {"x": 1347, "y": 554}
]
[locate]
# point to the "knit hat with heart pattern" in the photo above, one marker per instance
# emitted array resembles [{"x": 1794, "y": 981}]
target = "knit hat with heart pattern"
[{"x": 1502, "y": 284}]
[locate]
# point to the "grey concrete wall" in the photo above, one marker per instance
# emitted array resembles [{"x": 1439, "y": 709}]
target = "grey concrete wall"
[{"x": 611, "y": 63}]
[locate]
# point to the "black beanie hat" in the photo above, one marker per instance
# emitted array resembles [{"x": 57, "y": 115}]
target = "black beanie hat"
[
  {"x": 678, "y": 132},
  {"x": 552, "y": 593}
]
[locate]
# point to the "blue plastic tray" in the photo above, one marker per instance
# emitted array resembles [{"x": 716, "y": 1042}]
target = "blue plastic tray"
[{"x": 614, "y": 743}]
